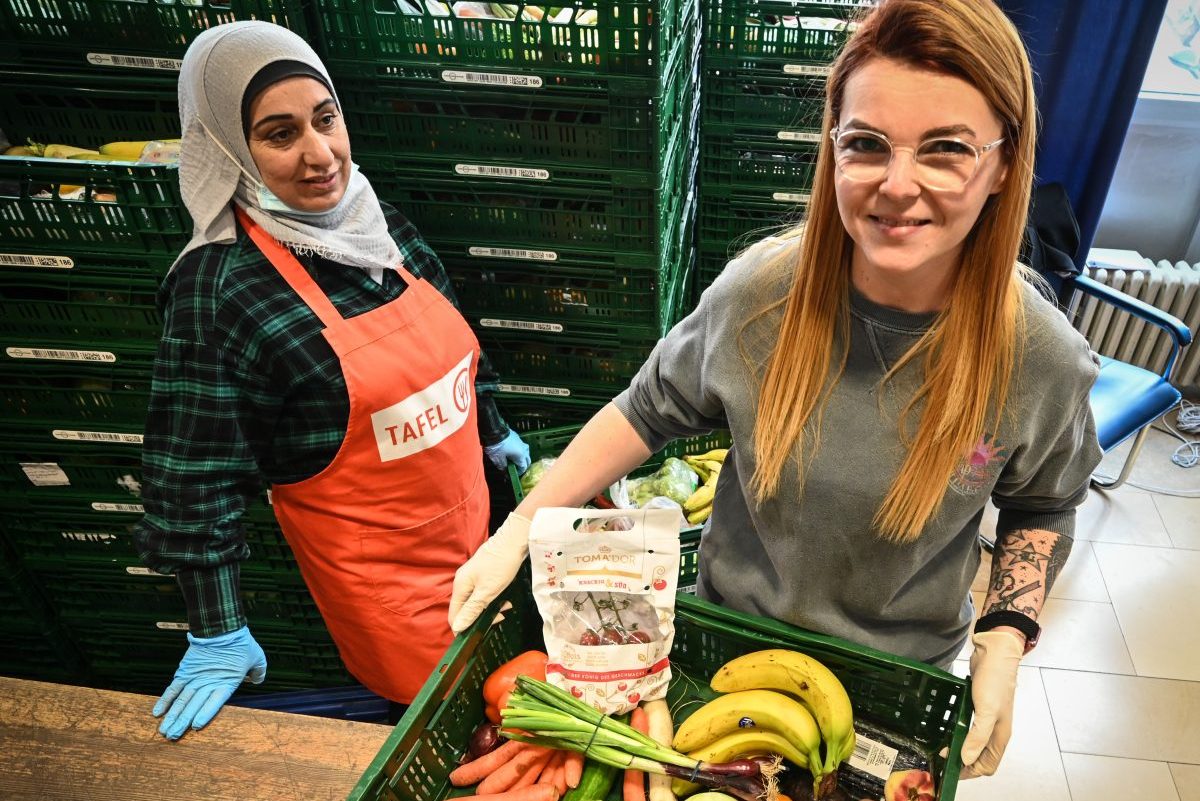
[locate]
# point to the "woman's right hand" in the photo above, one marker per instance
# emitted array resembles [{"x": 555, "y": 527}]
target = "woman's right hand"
[{"x": 488, "y": 572}]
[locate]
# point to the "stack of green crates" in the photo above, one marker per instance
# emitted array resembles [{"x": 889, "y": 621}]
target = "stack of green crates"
[
  {"x": 550, "y": 163},
  {"x": 763, "y": 89},
  {"x": 84, "y": 246}
]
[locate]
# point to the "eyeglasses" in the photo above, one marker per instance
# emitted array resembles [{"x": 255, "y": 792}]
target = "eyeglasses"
[{"x": 944, "y": 164}]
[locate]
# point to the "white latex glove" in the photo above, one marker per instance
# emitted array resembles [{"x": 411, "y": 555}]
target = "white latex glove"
[
  {"x": 993, "y": 687},
  {"x": 489, "y": 571}
]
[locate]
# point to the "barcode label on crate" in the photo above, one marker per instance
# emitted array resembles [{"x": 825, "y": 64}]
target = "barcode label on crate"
[
  {"x": 522, "y": 325},
  {"x": 495, "y": 171},
  {"x": 45, "y": 474},
  {"x": 821, "y": 70},
  {"x": 492, "y": 79},
  {"x": 142, "y": 571},
  {"x": 136, "y": 62},
  {"x": 135, "y": 508},
  {"x": 88, "y": 536},
  {"x": 514, "y": 253},
  {"x": 872, "y": 757},
  {"x": 97, "y": 436},
  {"x": 34, "y": 260},
  {"x": 167, "y": 625},
  {"x": 798, "y": 136},
  {"x": 687, "y": 589},
  {"x": 526, "y": 389},
  {"x": 56, "y": 354},
  {"x": 790, "y": 197}
]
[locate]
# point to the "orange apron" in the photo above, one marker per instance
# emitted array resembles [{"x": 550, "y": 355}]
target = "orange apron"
[{"x": 379, "y": 533}]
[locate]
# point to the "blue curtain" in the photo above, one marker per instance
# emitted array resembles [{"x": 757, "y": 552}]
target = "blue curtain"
[{"x": 1089, "y": 57}]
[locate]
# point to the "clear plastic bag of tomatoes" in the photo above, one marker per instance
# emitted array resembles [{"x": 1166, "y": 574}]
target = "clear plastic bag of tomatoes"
[{"x": 607, "y": 601}]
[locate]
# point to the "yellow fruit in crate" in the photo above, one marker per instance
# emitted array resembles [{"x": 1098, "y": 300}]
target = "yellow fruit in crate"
[
  {"x": 66, "y": 151},
  {"x": 129, "y": 150},
  {"x": 21, "y": 150}
]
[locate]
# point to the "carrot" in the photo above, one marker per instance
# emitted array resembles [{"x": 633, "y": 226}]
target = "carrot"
[
  {"x": 505, "y": 776},
  {"x": 558, "y": 775},
  {"x": 634, "y": 786},
  {"x": 475, "y": 770},
  {"x": 530, "y": 776},
  {"x": 573, "y": 769},
  {"x": 537, "y": 792}
]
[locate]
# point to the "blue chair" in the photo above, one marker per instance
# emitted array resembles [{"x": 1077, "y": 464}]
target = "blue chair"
[{"x": 1126, "y": 398}]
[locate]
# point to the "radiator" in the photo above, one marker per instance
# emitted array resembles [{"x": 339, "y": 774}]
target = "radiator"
[{"x": 1174, "y": 288}]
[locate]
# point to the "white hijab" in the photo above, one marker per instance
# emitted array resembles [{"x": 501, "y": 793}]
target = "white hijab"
[{"x": 216, "y": 168}]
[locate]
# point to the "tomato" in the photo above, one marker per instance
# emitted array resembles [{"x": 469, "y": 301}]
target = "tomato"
[{"x": 503, "y": 680}]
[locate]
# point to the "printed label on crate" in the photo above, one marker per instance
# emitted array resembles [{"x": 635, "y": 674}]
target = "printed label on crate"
[
  {"x": 872, "y": 757},
  {"x": 495, "y": 171},
  {"x": 492, "y": 79},
  {"x": 88, "y": 536},
  {"x": 821, "y": 70},
  {"x": 514, "y": 253},
  {"x": 142, "y": 571},
  {"x": 45, "y": 474},
  {"x": 35, "y": 260},
  {"x": 61, "y": 355},
  {"x": 135, "y": 508},
  {"x": 98, "y": 436},
  {"x": 168, "y": 625},
  {"x": 136, "y": 62},
  {"x": 790, "y": 197},
  {"x": 526, "y": 389},
  {"x": 798, "y": 136},
  {"x": 523, "y": 325}
]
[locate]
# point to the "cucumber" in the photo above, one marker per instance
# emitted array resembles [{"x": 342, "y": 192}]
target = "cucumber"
[
  {"x": 910, "y": 755},
  {"x": 595, "y": 783},
  {"x": 597, "y": 779}
]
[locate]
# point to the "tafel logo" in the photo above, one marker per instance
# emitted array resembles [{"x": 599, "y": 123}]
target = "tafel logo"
[{"x": 427, "y": 416}]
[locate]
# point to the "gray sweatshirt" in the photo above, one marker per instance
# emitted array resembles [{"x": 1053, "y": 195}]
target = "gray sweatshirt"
[{"x": 815, "y": 561}]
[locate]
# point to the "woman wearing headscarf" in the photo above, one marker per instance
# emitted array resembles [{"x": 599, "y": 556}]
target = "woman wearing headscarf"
[{"x": 310, "y": 341}]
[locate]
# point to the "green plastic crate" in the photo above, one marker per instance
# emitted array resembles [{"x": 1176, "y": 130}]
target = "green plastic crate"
[
  {"x": 731, "y": 218},
  {"x": 607, "y": 303},
  {"x": 553, "y": 441},
  {"x": 732, "y": 157},
  {"x": 527, "y": 413},
  {"x": 34, "y": 468},
  {"x": 57, "y": 393},
  {"x": 85, "y": 537},
  {"x": 415, "y": 761},
  {"x": 96, "y": 309},
  {"x": 44, "y": 264},
  {"x": 569, "y": 368},
  {"x": 394, "y": 123},
  {"x": 121, "y": 586},
  {"x": 138, "y": 639},
  {"x": 626, "y": 37},
  {"x": 132, "y": 37},
  {"x": 796, "y": 34},
  {"x": 525, "y": 214},
  {"x": 125, "y": 208},
  {"x": 87, "y": 359},
  {"x": 767, "y": 99}
]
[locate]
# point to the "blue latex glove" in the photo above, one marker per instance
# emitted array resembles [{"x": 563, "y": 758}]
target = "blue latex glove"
[
  {"x": 208, "y": 674},
  {"x": 510, "y": 449}
]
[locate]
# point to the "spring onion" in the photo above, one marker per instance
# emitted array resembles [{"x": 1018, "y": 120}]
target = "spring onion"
[{"x": 543, "y": 714}]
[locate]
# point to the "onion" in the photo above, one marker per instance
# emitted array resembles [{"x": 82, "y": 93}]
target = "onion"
[{"x": 484, "y": 739}]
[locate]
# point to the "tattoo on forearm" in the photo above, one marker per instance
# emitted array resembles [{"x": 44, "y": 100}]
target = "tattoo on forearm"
[{"x": 1024, "y": 565}]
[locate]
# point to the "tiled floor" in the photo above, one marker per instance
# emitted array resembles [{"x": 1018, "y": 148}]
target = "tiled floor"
[{"x": 1108, "y": 705}]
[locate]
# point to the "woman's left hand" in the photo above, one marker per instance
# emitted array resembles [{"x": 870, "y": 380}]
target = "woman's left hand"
[{"x": 510, "y": 449}]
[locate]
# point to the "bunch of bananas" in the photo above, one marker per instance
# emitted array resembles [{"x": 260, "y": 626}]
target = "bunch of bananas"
[
  {"x": 698, "y": 507},
  {"x": 776, "y": 702},
  {"x": 151, "y": 150}
]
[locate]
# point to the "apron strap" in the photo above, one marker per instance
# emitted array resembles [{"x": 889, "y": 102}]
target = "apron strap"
[{"x": 290, "y": 268}]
